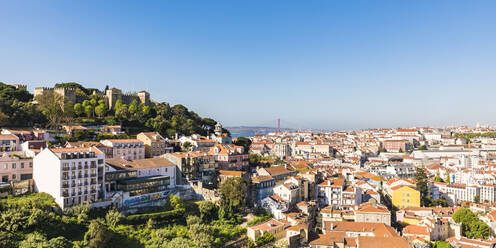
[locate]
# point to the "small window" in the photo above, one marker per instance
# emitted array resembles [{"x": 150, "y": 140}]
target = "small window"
[{"x": 14, "y": 166}]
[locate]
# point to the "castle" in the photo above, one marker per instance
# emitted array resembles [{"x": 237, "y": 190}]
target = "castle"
[{"x": 111, "y": 96}]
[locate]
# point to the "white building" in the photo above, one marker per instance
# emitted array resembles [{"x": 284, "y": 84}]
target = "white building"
[{"x": 70, "y": 175}]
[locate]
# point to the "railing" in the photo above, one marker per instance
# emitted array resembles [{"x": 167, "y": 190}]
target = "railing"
[
  {"x": 66, "y": 168},
  {"x": 65, "y": 185},
  {"x": 93, "y": 175},
  {"x": 65, "y": 194},
  {"x": 93, "y": 166}
]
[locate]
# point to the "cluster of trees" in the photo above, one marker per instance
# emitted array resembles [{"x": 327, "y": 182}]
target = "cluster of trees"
[
  {"x": 34, "y": 221},
  {"x": 471, "y": 225},
  {"x": 233, "y": 198},
  {"x": 469, "y": 136},
  {"x": 18, "y": 110},
  {"x": 422, "y": 187}
]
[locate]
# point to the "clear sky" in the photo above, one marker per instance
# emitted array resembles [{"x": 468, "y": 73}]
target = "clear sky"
[{"x": 319, "y": 64}]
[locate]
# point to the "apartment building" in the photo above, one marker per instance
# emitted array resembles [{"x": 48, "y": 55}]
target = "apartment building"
[
  {"x": 155, "y": 144},
  {"x": 193, "y": 165},
  {"x": 374, "y": 213},
  {"x": 9, "y": 143},
  {"x": 457, "y": 192},
  {"x": 230, "y": 157},
  {"x": 395, "y": 145},
  {"x": 70, "y": 175},
  {"x": 281, "y": 150},
  {"x": 405, "y": 196},
  {"x": 15, "y": 166},
  {"x": 129, "y": 149},
  {"x": 335, "y": 192},
  {"x": 262, "y": 186}
]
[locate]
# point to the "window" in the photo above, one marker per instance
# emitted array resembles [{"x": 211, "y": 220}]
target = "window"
[
  {"x": 14, "y": 176},
  {"x": 14, "y": 166},
  {"x": 22, "y": 165}
]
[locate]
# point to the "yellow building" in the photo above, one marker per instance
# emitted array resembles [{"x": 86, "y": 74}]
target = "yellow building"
[{"x": 405, "y": 196}]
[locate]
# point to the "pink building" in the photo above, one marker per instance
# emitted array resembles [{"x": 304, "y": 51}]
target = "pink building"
[
  {"x": 230, "y": 157},
  {"x": 395, "y": 145},
  {"x": 15, "y": 166}
]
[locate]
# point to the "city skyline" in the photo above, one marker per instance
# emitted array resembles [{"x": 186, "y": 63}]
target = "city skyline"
[{"x": 318, "y": 65}]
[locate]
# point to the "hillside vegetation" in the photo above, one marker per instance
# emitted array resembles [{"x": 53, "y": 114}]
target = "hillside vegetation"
[{"x": 18, "y": 110}]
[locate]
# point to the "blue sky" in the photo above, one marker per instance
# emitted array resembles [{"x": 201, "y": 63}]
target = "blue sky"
[{"x": 319, "y": 64}]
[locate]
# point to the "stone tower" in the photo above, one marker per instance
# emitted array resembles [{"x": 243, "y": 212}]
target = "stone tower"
[
  {"x": 144, "y": 97},
  {"x": 218, "y": 129},
  {"x": 112, "y": 95}
]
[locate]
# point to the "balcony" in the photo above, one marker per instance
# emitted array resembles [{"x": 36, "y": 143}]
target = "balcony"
[
  {"x": 66, "y": 168},
  {"x": 65, "y": 194},
  {"x": 65, "y": 185},
  {"x": 80, "y": 167},
  {"x": 93, "y": 166},
  {"x": 73, "y": 167},
  {"x": 93, "y": 174},
  {"x": 93, "y": 191}
]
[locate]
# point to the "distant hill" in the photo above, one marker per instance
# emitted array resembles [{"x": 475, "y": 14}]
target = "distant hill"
[{"x": 247, "y": 131}]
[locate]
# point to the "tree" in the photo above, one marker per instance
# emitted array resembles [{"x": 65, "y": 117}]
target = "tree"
[
  {"x": 232, "y": 192},
  {"x": 100, "y": 110},
  {"x": 97, "y": 235},
  {"x": 477, "y": 199},
  {"x": 59, "y": 242},
  {"x": 201, "y": 235},
  {"x": 421, "y": 180},
  {"x": 207, "y": 208},
  {"x": 438, "y": 179},
  {"x": 113, "y": 217},
  {"x": 89, "y": 110},
  {"x": 255, "y": 159},
  {"x": 186, "y": 146},
  {"x": 266, "y": 238},
  {"x": 441, "y": 244},
  {"x": 34, "y": 240},
  {"x": 175, "y": 202},
  {"x": 51, "y": 105},
  {"x": 244, "y": 142},
  {"x": 78, "y": 109},
  {"x": 471, "y": 225},
  {"x": 448, "y": 178},
  {"x": 178, "y": 242},
  {"x": 133, "y": 107}
]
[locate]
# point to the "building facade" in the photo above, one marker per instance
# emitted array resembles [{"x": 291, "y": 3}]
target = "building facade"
[{"x": 70, "y": 175}]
